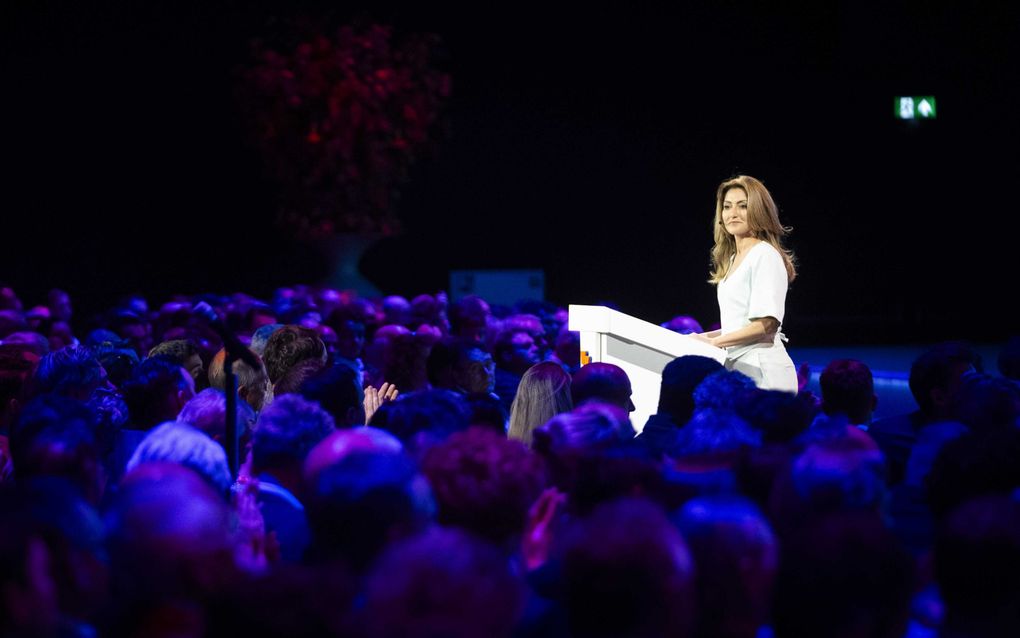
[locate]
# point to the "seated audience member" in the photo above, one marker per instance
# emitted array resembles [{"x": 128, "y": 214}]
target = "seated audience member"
[
  {"x": 462, "y": 366},
  {"x": 408, "y": 352},
  {"x": 430, "y": 310},
  {"x": 253, "y": 386},
  {"x": 67, "y": 581},
  {"x": 972, "y": 465},
  {"x": 514, "y": 352},
  {"x": 703, "y": 455},
  {"x": 285, "y": 433},
  {"x": 350, "y": 345},
  {"x": 487, "y": 412},
  {"x": 341, "y": 443},
  {"x": 171, "y": 549},
  {"x": 532, "y": 325},
  {"x": 396, "y": 311},
  {"x": 181, "y": 444},
  {"x": 543, "y": 393},
  {"x": 935, "y": 378},
  {"x": 683, "y": 324},
  {"x": 72, "y": 372},
  {"x": 260, "y": 337},
  {"x": 118, "y": 360},
  {"x": 626, "y": 571},
  {"x": 16, "y": 369},
  {"x": 676, "y": 400},
  {"x": 156, "y": 392},
  {"x": 485, "y": 484},
  {"x": 829, "y": 475},
  {"x": 977, "y": 558},
  {"x": 567, "y": 350},
  {"x": 133, "y": 328},
  {"x": 297, "y": 374},
  {"x": 33, "y": 342},
  {"x": 848, "y": 389},
  {"x": 361, "y": 504},
  {"x": 842, "y": 575},
  {"x": 985, "y": 402},
  {"x": 185, "y": 354},
  {"x": 724, "y": 390},
  {"x": 735, "y": 558},
  {"x": 378, "y": 355},
  {"x": 53, "y": 437},
  {"x": 604, "y": 382},
  {"x": 469, "y": 318},
  {"x": 207, "y": 411},
  {"x": 336, "y": 390},
  {"x": 11, "y": 321},
  {"x": 443, "y": 583},
  {"x": 422, "y": 419},
  {"x": 289, "y": 346},
  {"x": 780, "y": 416}
]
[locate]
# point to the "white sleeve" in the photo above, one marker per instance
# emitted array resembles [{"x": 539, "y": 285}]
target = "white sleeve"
[{"x": 768, "y": 286}]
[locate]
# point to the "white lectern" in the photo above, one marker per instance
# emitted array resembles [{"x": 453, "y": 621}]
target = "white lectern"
[{"x": 641, "y": 348}]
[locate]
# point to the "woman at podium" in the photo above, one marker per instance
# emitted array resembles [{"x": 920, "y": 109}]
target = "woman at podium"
[{"x": 751, "y": 270}]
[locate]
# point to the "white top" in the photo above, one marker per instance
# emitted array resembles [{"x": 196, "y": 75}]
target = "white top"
[{"x": 756, "y": 288}]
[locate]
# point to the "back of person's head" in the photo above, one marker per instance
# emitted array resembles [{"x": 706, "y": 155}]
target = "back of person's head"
[
  {"x": 443, "y": 583},
  {"x": 260, "y": 337},
  {"x": 841, "y": 575},
  {"x": 848, "y": 388},
  {"x": 290, "y": 345},
  {"x": 184, "y": 445},
  {"x": 72, "y": 372},
  {"x": 344, "y": 442},
  {"x": 735, "y": 556},
  {"x": 156, "y": 392},
  {"x": 207, "y": 410},
  {"x": 830, "y": 475},
  {"x": 589, "y": 428},
  {"x": 363, "y": 502},
  {"x": 683, "y": 324},
  {"x": 34, "y": 342},
  {"x": 286, "y": 431},
  {"x": 252, "y": 385},
  {"x": 975, "y": 464},
  {"x": 605, "y": 382},
  {"x": 780, "y": 416},
  {"x": 53, "y": 436},
  {"x": 176, "y": 350},
  {"x": 544, "y": 392},
  {"x": 422, "y": 419},
  {"x": 985, "y": 402},
  {"x": 296, "y": 375},
  {"x": 336, "y": 390},
  {"x": 469, "y": 317},
  {"x": 713, "y": 432},
  {"x": 679, "y": 379},
  {"x": 935, "y": 376},
  {"x": 977, "y": 558},
  {"x": 627, "y": 572},
  {"x": 487, "y": 411},
  {"x": 118, "y": 361},
  {"x": 169, "y": 542},
  {"x": 484, "y": 483},
  {"x": 723, "y": 390}
]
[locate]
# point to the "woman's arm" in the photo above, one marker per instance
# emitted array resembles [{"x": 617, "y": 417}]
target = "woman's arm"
[{"x": 761, "y": 330}]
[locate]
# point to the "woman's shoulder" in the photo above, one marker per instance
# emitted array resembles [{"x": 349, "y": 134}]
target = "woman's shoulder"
[{"x": 765, "y": 250}]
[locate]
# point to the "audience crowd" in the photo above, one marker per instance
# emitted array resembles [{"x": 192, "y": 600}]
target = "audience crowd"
[{"x": 421, "y": 468}]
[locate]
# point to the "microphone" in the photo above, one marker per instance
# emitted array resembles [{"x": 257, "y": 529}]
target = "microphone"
[{"x": 233, "y": 345}]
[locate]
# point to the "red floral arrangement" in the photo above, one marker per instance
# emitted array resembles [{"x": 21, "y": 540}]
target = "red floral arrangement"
[{"x": 340, "y": 120}]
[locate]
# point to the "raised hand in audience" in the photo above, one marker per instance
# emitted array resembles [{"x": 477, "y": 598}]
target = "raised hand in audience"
[{"x": 376, "y": 397}]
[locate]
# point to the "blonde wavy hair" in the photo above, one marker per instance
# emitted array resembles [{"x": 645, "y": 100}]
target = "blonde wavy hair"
[
  {"x": 543, "y": 393},
  {"x": 762, "y": 219}
]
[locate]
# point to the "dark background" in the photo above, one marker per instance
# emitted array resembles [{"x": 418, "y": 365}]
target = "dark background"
[{"x": 585, "y": 141}]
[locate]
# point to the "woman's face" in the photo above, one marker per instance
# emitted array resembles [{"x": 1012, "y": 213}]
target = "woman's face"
[{"x": 734, "y": 213}]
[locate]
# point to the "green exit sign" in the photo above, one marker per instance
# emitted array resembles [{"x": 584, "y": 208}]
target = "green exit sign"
[{"x": 918, "y": 107}]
